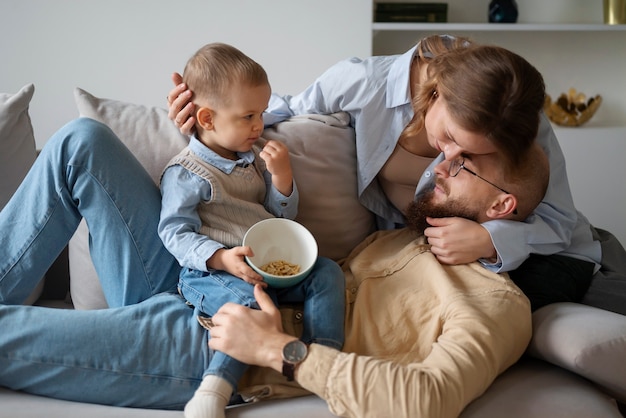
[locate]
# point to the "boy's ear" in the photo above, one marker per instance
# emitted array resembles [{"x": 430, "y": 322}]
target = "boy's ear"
[
  {"x": 503, "y": 206},
  {"x": 204, "y": 118}
]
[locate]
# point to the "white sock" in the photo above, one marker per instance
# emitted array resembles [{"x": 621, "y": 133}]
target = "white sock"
[{"x": 210, "y": 399}]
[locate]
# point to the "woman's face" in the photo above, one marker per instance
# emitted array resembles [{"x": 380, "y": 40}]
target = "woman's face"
[{"x": 446, "y": 136}]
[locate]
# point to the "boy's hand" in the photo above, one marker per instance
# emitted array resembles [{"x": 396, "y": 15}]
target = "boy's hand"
[
  {"x": 276, "y": 157},
  {"x": 232, "y": 261}
]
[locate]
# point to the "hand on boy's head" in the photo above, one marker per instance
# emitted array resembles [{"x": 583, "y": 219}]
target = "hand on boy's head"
[{"x": 180, "y": 107}]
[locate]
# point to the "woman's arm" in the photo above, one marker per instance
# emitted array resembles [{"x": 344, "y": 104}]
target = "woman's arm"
[{"x": 550, "y": 228}]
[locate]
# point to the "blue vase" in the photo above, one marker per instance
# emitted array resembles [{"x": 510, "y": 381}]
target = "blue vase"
[{"x": 502, "y": 11}]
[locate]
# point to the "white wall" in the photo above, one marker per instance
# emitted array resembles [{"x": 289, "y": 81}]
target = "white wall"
[{"x": 127, "y": 49}]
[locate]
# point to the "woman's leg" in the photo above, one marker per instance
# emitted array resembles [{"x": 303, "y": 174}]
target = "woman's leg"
[
  {"x": 85, "y": 171},
  {"x": 148, "y": 355}
]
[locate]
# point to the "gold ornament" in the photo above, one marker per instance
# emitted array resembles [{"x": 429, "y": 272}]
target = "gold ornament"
[{"x": 571, "y": 109}]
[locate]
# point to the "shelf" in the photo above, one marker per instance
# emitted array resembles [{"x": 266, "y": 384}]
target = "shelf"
[{"x": 497, "y": 27}]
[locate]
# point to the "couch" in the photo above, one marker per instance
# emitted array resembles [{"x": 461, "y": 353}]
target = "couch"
[{"x": 575, "y": 365}]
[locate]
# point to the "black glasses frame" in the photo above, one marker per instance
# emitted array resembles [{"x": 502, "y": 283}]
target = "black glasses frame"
[{"x": 459, "y": 164}]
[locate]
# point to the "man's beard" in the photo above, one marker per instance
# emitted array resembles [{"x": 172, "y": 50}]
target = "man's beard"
[{"x": 424, "y": 206}]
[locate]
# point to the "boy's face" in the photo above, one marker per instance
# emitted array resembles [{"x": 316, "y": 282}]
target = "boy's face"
[{"x": 238, "y": 120}]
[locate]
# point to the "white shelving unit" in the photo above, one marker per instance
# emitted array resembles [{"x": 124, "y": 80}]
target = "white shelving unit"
[{"x": 497, "y": 27}]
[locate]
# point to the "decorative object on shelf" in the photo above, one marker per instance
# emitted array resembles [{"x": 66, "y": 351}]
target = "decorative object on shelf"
[
  {"x": 614, "y": 12},
  {"x": 411, "y": 12},
  {"x": 571, "y": 109},
  {"x": 502, "y": 11}
]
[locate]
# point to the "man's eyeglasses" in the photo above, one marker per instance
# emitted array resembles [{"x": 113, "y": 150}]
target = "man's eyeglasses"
[{"x": 457, "y": 165}]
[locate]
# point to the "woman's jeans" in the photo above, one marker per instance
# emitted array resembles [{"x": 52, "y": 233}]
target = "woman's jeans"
[
  {"x": 322, "y": 293},
  {"x": 148, "y": 350},
  {"x": 85, "y": 171}
]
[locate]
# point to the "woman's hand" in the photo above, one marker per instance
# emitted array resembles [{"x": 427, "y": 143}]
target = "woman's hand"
[
  {"x": 459, "y": 240},
  {"x": 181, "y": 109},
  {"x": 249, "y": 335}
]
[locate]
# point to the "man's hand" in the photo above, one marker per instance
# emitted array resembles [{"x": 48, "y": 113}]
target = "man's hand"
[
  {"x": 232, "y": 260},
  {"x": 249, "y": 335},
  {"x": 458, "y": 240},
  {"x": 181, "y": 109}
]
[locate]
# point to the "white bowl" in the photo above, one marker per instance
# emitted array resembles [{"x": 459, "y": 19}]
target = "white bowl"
[{"x": 281, "y": 239}]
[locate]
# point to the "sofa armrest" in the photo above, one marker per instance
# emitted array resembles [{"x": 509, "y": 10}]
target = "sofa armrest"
[{"x": 585, "y": 340}]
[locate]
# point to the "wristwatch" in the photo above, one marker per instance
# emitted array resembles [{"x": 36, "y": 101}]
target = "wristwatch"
[{"x": 294, "y": 353}]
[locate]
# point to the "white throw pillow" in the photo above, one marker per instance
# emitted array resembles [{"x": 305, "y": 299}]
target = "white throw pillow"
[
  {"x": 588, "y": 341},
  {"x": 17, "y": 142},
  {"x": 17, "y": 149},
  {"x": 322, "y": 150}
]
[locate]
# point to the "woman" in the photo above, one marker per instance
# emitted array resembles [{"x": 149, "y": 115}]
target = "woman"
[{"x": 379, "y": 94}]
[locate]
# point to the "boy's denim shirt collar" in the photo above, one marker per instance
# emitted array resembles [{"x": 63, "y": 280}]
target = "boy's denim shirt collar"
[{"x": 217, "y": 161}]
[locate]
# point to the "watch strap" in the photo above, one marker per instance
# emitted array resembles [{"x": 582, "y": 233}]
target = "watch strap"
[{"x": 289, "y": 370}]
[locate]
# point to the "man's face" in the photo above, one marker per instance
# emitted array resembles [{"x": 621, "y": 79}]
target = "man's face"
[{"x": 464, "y": 195}]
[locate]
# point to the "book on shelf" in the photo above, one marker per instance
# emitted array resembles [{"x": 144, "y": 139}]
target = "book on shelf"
[{"x": 411, "y": 12}]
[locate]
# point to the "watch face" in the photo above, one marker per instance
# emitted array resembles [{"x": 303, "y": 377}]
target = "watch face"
[{"x": 294, "y": 351}]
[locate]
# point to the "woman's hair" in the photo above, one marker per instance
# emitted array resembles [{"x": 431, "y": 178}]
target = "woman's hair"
[
  {"x": 488, "y": 90},
  {"x": 215, "y": 67}
]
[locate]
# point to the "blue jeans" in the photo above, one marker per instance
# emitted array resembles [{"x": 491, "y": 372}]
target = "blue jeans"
[
  {"x": 322, "y": 293},
  {"x": 148, "y": 350},
  {"x": 85, "y": 171}
]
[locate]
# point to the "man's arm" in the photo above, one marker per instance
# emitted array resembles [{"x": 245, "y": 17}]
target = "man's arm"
[{"x": 480, "y": 337}]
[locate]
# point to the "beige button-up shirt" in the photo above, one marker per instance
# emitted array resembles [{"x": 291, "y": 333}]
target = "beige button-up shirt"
[{"x": 422, "y": 339}]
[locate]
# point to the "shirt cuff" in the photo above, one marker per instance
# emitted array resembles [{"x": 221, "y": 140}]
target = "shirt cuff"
[{"x": 312, "y": 374}]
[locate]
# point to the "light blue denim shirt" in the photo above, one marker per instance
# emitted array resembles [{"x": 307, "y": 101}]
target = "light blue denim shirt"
[
  {"x": 375, "y": 92},
  {"x": 182, "y": 191}
]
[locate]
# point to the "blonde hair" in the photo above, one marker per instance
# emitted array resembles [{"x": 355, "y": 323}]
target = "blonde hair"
[{"x": 216, "y": 67}]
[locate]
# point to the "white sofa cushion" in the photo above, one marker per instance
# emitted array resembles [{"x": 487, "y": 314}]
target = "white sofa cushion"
[
  {"x": 17, "y": 143},
  {"x": 588, "y": 341},
  {"x": 329, "y": 205},
  {"x": 17, "y": 149}
]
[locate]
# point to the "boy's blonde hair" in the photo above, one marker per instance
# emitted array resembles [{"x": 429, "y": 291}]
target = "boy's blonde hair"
[{"x": 215, "y": 68}]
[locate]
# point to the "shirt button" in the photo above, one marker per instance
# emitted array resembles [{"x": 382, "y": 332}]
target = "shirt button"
[
  {"x": 427, "y": 174},
  {"x": 353, "y": 290},
  {"x": 298, "y": 316},
  {"x": 283, "y": 204}
]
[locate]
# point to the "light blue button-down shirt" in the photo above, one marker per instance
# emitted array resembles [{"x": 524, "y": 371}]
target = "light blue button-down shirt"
[
  {"x": 375, "y": 92},
  {"x": 182, "y": 192}
]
